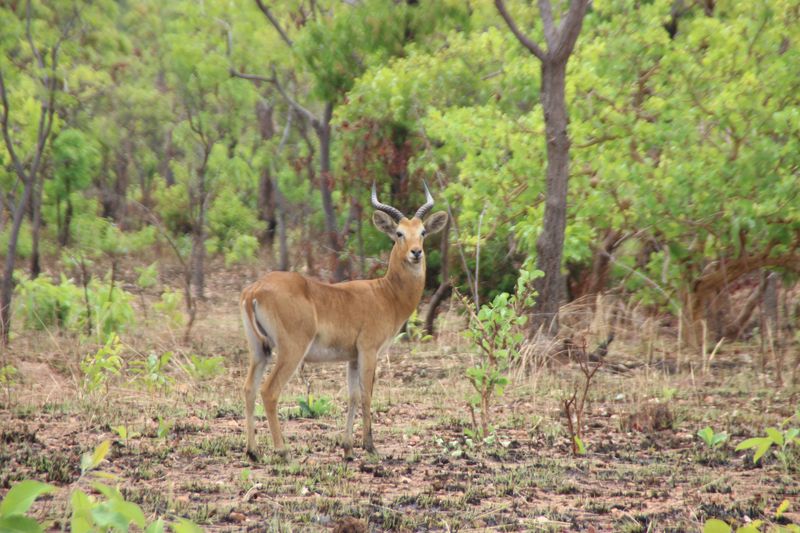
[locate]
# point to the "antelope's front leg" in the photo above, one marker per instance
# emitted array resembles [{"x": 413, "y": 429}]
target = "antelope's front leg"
[
  {"x": 367, "y": 361},
  {"x": 354, "y": 395}
]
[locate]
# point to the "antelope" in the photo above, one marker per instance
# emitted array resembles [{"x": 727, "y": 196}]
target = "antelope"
[{"x": 300, "y": 319}]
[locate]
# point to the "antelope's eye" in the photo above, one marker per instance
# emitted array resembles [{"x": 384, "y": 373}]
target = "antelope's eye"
[
  {"x": 399, "y": 235},
  {"x": 423, "y": 233}
]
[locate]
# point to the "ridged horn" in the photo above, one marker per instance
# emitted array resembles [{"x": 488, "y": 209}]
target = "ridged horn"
[
  {"x": 389, "y": 210},
  {"x": 427, "y": 206}
]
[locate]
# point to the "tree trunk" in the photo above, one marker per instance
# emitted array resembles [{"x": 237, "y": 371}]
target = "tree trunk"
[
  {"x": 199, "y": 233},
  {"x": 266, "y": 208},
  {"x": 326, "y": 190},
  {"x": 550, "y": 245},
  {"x": 280, "y": 205},
  {"x": 444, "y": 286},
  {"x": 36, "y": 226},
  {"x": 7, "y": 288}
]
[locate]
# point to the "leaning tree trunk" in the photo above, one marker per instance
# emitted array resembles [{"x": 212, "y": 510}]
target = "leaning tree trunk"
[{"x": 7, "y": 287}]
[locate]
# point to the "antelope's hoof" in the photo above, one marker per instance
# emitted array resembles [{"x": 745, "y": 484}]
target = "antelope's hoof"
[
  {"x": 348, "y": 453},
  {"x": 253, "y": 456},
  {"x": 283, "y": 454}
]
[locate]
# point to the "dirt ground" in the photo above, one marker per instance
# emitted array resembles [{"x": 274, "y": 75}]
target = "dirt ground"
[{"x": 645, "y": 468}]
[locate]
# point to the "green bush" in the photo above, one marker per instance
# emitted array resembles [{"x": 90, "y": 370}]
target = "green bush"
[
  {"x": 44, "y": 305},
  {"x": 228, "y": 219}
]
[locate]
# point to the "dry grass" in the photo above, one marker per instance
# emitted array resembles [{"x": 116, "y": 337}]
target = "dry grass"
[{"x": 635, "y": 477}]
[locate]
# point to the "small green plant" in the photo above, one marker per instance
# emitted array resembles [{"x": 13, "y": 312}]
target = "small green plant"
[
  {"x": 152, "y": 371},
  {"x": 17, "y": 502},
  {"x": 164, "y": 427},
  {"x": 312, "y": 407},
  {"x": 712, "y": 439},
  {"x": 414, "y": 330},
  {"x": 496, "y": 330},
  {"x": 782, "y": 439},
  {"x": 8, "y": 378},
  {"x": 204, "y": 368},
  {"x": 86, "y": 513},
  {"x": 148, "y": 276},
  {"x": 100, "y": 367},
  {"x": 170, "y": 307},
  {"x": 124, "y": 434}
]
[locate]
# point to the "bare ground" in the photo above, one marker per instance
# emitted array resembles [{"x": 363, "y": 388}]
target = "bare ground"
[{"x": 636, "y": 476}]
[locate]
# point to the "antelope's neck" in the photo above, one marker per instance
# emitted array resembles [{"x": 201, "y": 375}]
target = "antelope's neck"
[{"x": 405, "y": 284}]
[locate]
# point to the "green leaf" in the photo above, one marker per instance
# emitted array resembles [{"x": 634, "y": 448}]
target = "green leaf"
[
  {"x": 132, "y": 512},
  {"x": 21, "y": 497},
  {"x": 781, "y": 508},
  {"x": 90, "y": 461},
  {"x": 775, "y": 435},
  {"x": 761, "y": 450},
  {"x": 707, "y": 434},
  {"x": 716, "y": 526},
  {"x": 155, "y": 527},
  {"x": 580, "y": 445},
  {"x": 19, "y": 524},
  {"x": 753, "y": 442},
  {"x": 186, "y": 526}
]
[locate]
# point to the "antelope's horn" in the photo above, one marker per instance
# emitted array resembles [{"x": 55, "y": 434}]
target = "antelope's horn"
[
  {"x": 422, "y": 211},
  {"x": 389, "y": 210}
]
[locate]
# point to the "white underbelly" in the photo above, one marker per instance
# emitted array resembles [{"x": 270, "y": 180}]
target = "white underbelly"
[{"x": 319, "y": 353}]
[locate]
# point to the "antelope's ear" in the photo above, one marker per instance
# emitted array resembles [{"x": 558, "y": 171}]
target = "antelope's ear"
[
  {"x": 385, "y": 223},
  {"x": 436, "y": 222}
]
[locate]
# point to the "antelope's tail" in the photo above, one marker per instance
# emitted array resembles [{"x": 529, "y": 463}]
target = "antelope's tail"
[{"x": 256, "y": 334}]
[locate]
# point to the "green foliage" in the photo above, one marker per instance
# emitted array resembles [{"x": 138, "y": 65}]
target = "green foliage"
[
  {"x": 45, "y": 305},
  {"x": 110, "y": 513},
  {"x": 313, "y": 407},
  {"x": 8, "y": 374},
  {"x": 244, "y": 250},
  {"x": 711, "y": 438},
  {"x": 163, "y": 429},
  {"x": 17, "y": 502},
  {"x": 205, "y": 368},
  {"x": 171, "y": 307},
  {"x": 496, "y": 330},
  {"x": 229, "y": 220},
  {"x": 148, "y": 276},
  {"x": 100, "y": 367},
  {"x": 152, "y": 371}
]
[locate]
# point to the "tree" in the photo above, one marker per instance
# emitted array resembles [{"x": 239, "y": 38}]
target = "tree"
[
  {"x": 28, "y": 167},
  {"x": 560, "y": 38}
]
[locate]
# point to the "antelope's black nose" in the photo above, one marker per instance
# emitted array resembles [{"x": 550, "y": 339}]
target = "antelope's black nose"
[{"x": 416, "y": 253}]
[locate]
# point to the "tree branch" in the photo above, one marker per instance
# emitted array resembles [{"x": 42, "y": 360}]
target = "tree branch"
[
  {"x": 569, "y": 29},
  {"x": 550, "y": 34},
  {"x": 252, "y": 77},
  {"x": 264, "y": 9},
  {"x": 6, "y": 135},
  {"x": 521, "y": 37},
  {"x": 312, "y": 119},
  {"x": 29, "y": 36}
]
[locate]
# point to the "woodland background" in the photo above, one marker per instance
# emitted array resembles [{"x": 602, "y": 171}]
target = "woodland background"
[{"x": 157, "y": 156}]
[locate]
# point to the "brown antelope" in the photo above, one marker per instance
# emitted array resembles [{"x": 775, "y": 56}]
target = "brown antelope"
[{"x": 302, "y": 319}]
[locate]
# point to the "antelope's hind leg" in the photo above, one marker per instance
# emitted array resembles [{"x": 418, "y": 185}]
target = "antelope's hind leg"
[
  {"x": 259, "y": 357},
  {"x": 290, "y": 354},
  {"x": 367, "y": 362}
]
